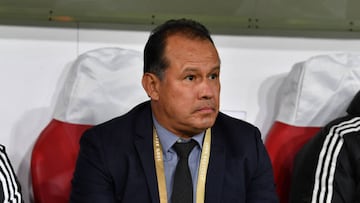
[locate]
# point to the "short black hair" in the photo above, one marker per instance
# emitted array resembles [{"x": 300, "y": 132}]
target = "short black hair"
[{"x": 154, "y": 60}]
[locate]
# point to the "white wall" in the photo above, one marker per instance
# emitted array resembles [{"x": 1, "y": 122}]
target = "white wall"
[{"x": 33, "y": 61}]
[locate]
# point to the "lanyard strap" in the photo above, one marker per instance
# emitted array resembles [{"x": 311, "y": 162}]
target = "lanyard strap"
[{"x": 160, "y": 172}]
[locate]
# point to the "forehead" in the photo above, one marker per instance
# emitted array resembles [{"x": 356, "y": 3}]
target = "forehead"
[
  {"x": 180, "y": 47},
  {"x": 184, "y": 38}
]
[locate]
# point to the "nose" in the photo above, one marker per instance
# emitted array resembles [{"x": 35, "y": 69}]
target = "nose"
[{"x": 207, "y": 89}]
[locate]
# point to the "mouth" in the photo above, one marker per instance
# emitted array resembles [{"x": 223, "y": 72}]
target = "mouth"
[{"x": 206, "y": 110}]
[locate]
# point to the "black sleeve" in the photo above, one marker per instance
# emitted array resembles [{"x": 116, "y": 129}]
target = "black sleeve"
[
  {"x": 326, "y": 169},
  {"x": 302, "y": 182}
]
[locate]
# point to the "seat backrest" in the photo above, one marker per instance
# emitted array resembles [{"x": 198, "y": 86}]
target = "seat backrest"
[
  {"x": 101, "y": 84},
  {"x": 313, "y": 93}
]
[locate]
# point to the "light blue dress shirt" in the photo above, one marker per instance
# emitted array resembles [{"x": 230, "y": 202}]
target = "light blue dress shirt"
[{"x": 167, "y": 139}]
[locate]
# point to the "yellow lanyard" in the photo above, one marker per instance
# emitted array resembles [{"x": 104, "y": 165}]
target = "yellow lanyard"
[{"x": 160, "y": 172}]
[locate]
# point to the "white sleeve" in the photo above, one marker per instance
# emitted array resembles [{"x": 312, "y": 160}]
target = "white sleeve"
[{"x": 10, "y": 190}]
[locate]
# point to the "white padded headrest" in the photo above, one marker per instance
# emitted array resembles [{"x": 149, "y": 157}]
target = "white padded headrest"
[
  {"x": 320, "y": 89},
  {"x": 101, "y": 84}
]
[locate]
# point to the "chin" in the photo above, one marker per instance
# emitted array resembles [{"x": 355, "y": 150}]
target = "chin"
[
  {"x": 207, "y": 124},
  {"x": 204, "y": 122}
]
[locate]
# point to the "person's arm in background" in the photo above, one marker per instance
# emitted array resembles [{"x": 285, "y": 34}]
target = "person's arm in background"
[
  {"x": 338, "y": 180},
  {"x": 10, "y": 190}
]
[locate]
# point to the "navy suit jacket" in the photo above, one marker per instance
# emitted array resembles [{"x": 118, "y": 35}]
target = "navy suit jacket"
[{"x": 116, "y": 162}]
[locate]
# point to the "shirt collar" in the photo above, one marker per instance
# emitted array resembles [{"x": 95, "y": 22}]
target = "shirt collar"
[{"x": 168, "y": 139}]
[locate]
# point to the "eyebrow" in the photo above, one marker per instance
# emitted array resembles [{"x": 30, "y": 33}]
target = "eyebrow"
[{"x": 191, "y": 69}]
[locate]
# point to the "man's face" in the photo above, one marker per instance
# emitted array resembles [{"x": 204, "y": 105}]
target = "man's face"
[{"x": 188, "y": 94}]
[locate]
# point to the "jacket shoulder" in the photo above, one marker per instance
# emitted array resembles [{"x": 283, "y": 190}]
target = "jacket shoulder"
[{"x": 234, "y": 124}]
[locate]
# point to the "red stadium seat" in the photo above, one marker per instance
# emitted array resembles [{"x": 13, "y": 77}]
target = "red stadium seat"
[
  {"x": 283, "y": 142},
  {"x": 96, "y": 89},
  {"x": 53, "y": 161},
  {"x": 313, "y": 93}
]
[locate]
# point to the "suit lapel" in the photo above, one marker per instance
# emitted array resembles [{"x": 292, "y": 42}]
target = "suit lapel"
[
  {"x": 216, "y": 169},
  {"x": 144, "y": 147}
]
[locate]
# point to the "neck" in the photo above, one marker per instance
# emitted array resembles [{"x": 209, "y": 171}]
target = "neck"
[{"x": 181, "y": 134}]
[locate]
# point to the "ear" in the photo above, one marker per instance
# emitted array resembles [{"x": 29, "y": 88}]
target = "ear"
[{"x": 150, "y": 83}]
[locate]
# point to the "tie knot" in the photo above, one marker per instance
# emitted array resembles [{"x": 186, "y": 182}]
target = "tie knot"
[{"x": 183, "y": 149}]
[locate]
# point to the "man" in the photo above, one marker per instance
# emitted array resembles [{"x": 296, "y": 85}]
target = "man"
[
  {"x": 10, "y": 190},
  {"x": 327, "y": 168},
  {"x": 134, "y": 158}
]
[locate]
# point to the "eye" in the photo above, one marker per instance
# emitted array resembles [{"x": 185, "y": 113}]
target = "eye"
[
  {"x": 213, "y": 76},
  {"x": 190, "y": 77}
]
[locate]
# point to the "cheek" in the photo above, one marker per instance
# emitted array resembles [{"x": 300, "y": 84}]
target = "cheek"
[
  {"x": 175, "y": 97},
  {"x": 182, "y": 102},
  {"x": 182, "y": 92},
  {"x": 216, "y": 91},
  {"x": 182, "y": 99}
]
